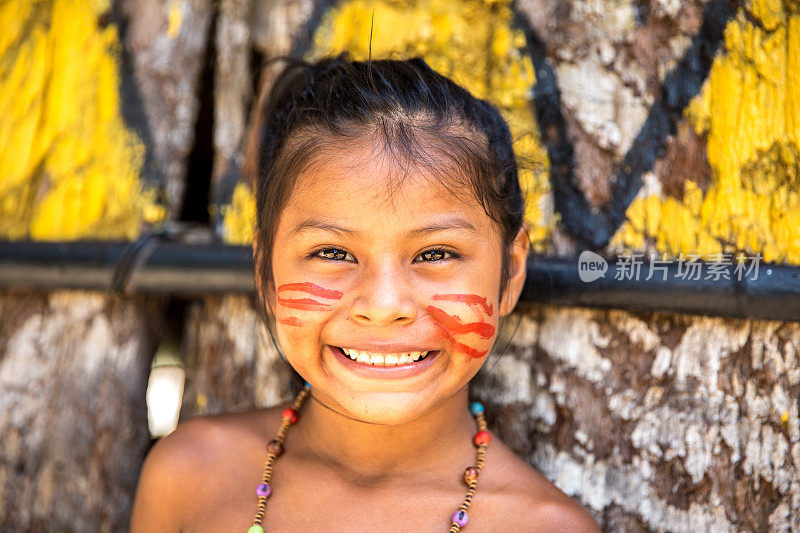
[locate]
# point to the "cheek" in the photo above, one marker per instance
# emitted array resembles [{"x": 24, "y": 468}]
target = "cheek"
[
  {"x": 467, "y": 320},
  {"x": 300, "y": 306},
  {"x": 304, "y": 303}
]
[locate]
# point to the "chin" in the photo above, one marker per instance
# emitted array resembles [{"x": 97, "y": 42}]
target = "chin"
[{"x": 383, "y": 408}]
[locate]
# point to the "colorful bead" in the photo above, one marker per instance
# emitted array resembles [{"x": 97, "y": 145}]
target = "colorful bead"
[
  {"x": 275, "y": 447},
  {"x": 476, "y": 408},
  {"x": 307, "y": 385},
  {"x": 470, "y": 474},
  {"x": 460, "y": 518},
  {"x": 263, "y": 490},
  {"x": 255, "y": 529},
  {"x": 290, "y": 415},
  {"x": 482, "y": 437}
]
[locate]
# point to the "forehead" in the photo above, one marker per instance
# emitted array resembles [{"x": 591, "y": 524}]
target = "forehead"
[{"x": 360, "y": 178}]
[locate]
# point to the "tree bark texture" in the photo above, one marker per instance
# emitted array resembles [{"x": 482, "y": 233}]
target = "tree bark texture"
[
  {"x": 233, "y": 88},
  {"x": 610, "y": 62},
  {"x": 166, "y": 42},
  {"x": 656, "y": 422},
  {"x": 231, "y": 363},
  {"x": 73, "y": 420},
  {"x": 74, "y": 365}
]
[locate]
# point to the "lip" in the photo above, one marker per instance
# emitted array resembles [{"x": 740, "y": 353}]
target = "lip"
[{"x": 386, "y": 372}]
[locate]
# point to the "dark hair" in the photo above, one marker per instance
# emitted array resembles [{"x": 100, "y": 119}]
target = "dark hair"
[{"x": 418, "y": 116}]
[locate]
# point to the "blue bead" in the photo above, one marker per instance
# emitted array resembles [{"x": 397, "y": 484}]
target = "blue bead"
[
  {"x": 307, "y": 385},
  {"x": 475, "y": 408}
]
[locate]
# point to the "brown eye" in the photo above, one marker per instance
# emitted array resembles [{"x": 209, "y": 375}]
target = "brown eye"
[
  {"x": 334, "y": 254},
  {"x": 436, "y": 255}
]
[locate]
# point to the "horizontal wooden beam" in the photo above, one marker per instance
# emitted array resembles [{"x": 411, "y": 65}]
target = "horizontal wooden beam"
[{"x": 157, "y": 264}]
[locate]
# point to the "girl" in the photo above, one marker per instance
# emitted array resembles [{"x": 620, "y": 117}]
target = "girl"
[{"x": 389, "y": 244}]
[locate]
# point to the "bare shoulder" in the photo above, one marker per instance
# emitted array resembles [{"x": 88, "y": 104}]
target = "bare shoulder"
[
  {"x": 528, "y": 500},
  {"x": 174, "y": 480}
]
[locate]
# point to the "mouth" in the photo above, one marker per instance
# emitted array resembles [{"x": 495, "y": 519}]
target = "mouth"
[{"x": 379, "y": 359}]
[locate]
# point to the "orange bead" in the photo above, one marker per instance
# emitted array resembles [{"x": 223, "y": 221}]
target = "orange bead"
[
  {"x": 290, "y": 415},
  {"x": 482, "y": 437},
  {"x": 470, "y": 474}
]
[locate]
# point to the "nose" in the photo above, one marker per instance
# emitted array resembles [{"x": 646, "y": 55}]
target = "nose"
[{"x": 384, "y": 297}]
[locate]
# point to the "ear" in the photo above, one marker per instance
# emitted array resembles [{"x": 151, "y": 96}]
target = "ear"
[
  {"x": 518, "y": 264},
  {"x": 265, "y": 288}
]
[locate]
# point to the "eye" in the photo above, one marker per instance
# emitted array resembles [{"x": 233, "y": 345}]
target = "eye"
[
  {"x": 437, "y": 254},
  {"x": 333, "y": 254}
]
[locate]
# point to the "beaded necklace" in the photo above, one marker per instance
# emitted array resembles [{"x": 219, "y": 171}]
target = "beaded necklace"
[{"x": 291, "y": 415}]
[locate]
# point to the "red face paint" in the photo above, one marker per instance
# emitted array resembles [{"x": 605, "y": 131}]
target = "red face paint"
[
  {"x": 469, "y": 299},
  {"x": 469, "y": 350},
  {"x": 290, "y": 321},
  {"x": 303, "y": 304},
  {"x": 312, "y": 289},
  {"x": 453, "y": 325},
  {"x": 307, "y": 304}
]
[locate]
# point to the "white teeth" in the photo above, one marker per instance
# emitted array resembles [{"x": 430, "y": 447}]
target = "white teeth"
[{"x": 380, "y": 359}]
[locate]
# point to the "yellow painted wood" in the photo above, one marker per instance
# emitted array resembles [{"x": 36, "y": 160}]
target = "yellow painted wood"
[
  {"x": 749, "y": 111},
  {"x": 69, "y": 166}
]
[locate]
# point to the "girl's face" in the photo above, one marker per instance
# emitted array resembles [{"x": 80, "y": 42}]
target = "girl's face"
[{"x": 386, "y": 303}]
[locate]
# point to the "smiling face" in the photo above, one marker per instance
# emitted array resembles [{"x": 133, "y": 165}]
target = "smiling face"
[{"x": 386, "y": 302}]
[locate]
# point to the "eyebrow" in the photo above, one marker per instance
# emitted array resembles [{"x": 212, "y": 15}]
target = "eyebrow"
[
  {"x": 447, "y": 224},
  {"x": 312, "y": 223},
  {"x": 444, "y": 225}
]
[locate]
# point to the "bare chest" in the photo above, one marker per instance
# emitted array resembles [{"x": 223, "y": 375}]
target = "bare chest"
[{"x": 322, "y": 507}]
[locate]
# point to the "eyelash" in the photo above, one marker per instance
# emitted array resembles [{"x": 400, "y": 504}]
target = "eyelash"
[
  {"x": 316, "y": 254},
  {"x": 453, "y": 255}
]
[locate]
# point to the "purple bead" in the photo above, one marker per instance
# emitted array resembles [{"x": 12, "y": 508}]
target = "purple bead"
[
  {"x": 460, "y": 518},
  {"x": 263, "y": 490}
]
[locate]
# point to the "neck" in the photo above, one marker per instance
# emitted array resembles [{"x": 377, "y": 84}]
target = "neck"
[{"x": 439, "y": 439}]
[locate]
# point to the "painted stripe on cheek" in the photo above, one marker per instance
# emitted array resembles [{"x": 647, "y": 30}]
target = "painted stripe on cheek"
[
  {"x": 469, "y": 350},
  {"x": 303, "y": 304},
  {"x": 291, "y": 321},
  {"x": 307, "y": 304},
  {"x": 455, "y": 326},
  {"x": 469, "y": 299},
  {"x": 312, "y": 289}
]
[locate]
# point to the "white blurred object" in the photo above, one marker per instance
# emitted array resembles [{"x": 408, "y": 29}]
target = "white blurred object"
[{"x": 164, "y": 392}]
